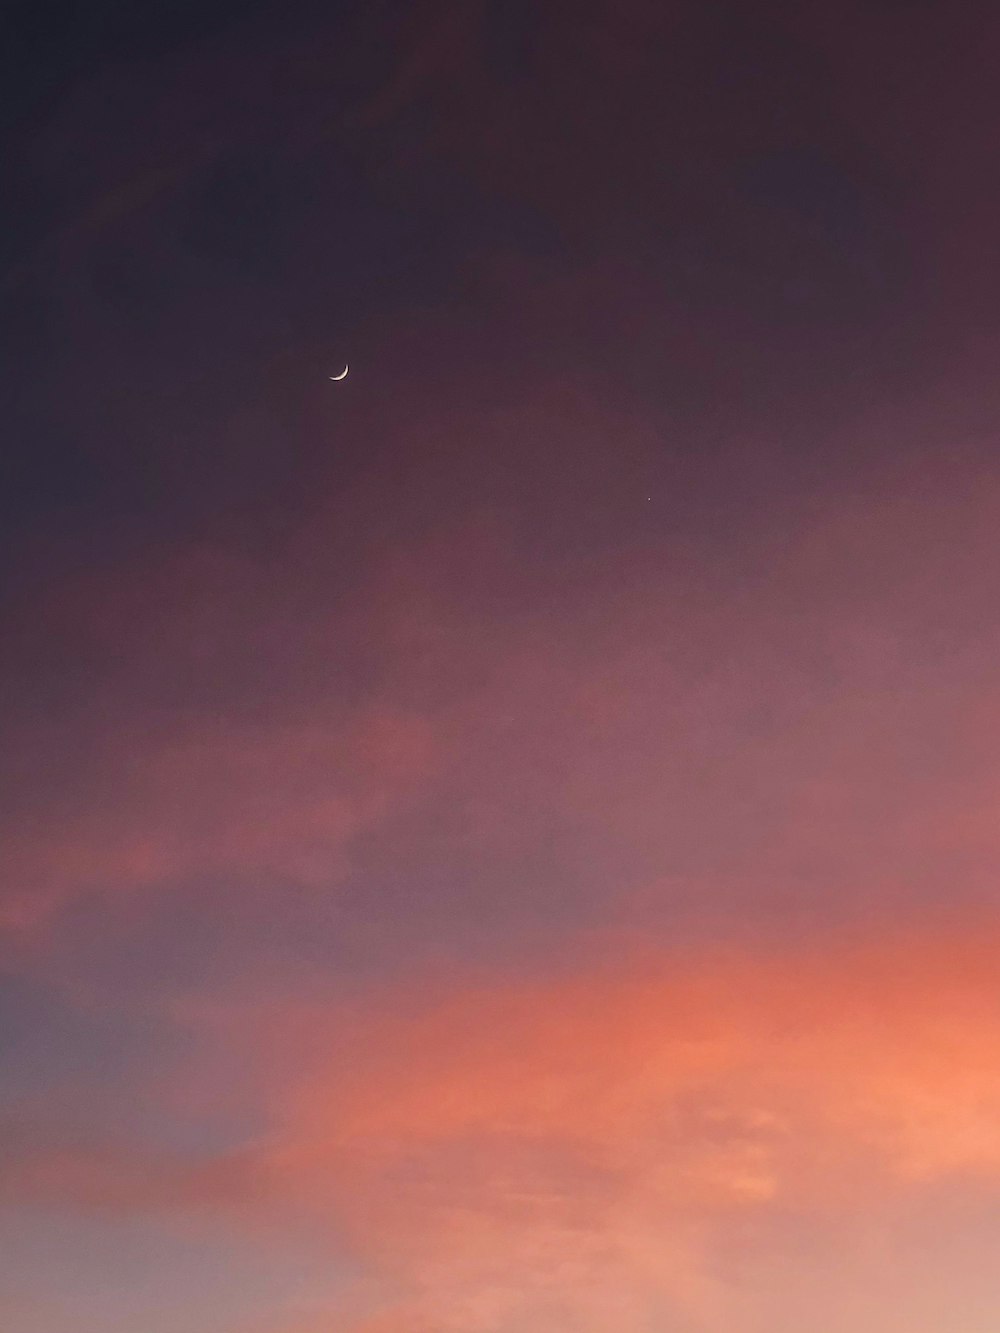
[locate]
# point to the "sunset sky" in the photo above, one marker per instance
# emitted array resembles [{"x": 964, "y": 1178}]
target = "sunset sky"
[{"x": 508, "y": 842}]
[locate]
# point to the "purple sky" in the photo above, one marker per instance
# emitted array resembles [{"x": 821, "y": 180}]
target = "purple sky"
[{"x": 506, "y": 843}]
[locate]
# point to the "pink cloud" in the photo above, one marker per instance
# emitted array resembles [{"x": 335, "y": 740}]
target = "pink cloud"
[
  {"x": 640, "y": 1140},
  {"x": 680, "y": 722},
  {"x": 279, "y": 803},
  {"x": 585, "y": 1151}
]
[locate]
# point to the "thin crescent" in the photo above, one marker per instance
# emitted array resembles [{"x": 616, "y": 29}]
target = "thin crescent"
[{"x": 342, "y": 375}]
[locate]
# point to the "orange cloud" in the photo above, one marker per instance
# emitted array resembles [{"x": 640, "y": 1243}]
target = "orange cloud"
[
  {"x": 589, "y": 1153},
  {"x": 642, "y": 1143}
]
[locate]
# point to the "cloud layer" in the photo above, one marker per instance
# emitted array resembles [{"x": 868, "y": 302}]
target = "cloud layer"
[
  {"x": 659, "y": 1137},
  {"x": 507, "y": 842}
]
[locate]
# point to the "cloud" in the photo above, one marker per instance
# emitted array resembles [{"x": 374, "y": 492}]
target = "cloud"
[
  {"x": 53, "y": 1165},
  {"x": 273, "y": 804},
  {"x": 587, "y": 1150},
  {"x": 222, "y": 739},
  {"x": 645, "y": 1139},
  {"x": 498, "y": 732}
]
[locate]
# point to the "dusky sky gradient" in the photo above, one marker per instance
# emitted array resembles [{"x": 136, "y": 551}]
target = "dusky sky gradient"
[{"x": 507, "y": 843}]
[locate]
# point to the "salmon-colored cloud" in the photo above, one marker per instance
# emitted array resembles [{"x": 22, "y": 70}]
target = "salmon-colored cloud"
[
  {"x": 615, "y": 1144},
  {"x": 581, "y": 1152}
]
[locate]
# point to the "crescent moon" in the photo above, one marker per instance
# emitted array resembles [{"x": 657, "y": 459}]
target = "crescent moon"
[{"x": 342, "y": 375}]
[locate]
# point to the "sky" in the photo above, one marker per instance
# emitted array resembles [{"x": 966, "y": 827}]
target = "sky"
[{"x": 507, "y": 842}]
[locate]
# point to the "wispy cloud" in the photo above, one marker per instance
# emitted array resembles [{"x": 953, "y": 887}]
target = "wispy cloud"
[{"x": 639, "y": 1140}]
